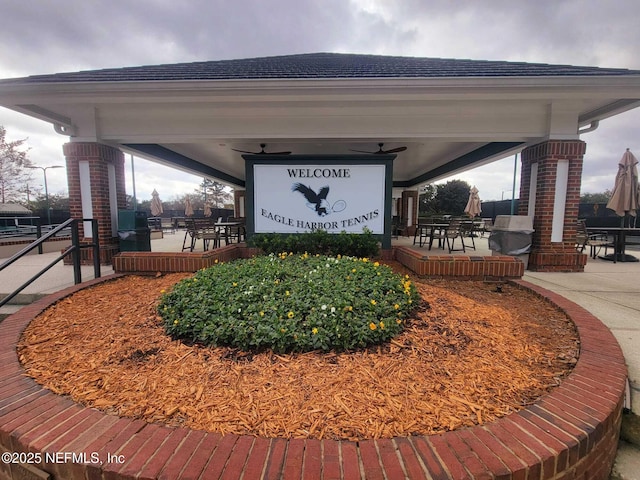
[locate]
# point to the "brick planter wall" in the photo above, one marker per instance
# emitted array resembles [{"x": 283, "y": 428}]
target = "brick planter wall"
[
  {"x": 571, "y": 433},
  {"x": 169, "y": 262},
  {"x": 462, "y": 267},
  {"x": 459, "y": 266}
]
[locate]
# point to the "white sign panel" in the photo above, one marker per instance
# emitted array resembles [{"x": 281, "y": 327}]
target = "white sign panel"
[{"x": 335, "y": 198}]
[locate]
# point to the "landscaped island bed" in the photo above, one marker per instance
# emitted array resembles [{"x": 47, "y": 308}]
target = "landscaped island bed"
[{"x": 472, "y": 355}]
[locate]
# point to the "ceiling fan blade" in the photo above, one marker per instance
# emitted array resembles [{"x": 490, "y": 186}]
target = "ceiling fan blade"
[
  {"x": 394, "y": 150},
  {"x": 361, "y": 151},
  {"x": 244, "y": 151},
  {"x": 274, "y": 153},
  {"x": 262, "y": 151}
]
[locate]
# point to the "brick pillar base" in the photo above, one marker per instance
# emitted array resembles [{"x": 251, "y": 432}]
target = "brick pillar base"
[
  {"x": 97, "y": 172},
  {"x": 554, "y": 215},
  {"x": 107, "y": 253},
  {"x": 557, "y": 261}
]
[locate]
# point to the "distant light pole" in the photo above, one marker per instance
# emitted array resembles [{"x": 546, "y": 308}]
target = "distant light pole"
[{"x": 46, "y": 190}]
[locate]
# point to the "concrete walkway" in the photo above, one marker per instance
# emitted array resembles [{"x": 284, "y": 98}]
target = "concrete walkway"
[{"x": 609, "y": 291}]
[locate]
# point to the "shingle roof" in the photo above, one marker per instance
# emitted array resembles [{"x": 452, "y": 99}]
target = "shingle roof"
[{"x": 323, "y": 66}]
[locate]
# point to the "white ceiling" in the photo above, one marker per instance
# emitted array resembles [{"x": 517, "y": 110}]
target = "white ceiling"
[{"x": 447, "y": 125}]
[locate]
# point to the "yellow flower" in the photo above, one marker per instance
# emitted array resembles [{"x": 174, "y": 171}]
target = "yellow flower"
[
  {"x": 314, "y": 331},
  {"x": 162, "y": 291},
  {"x": 398, "y": 321},
  {"x": 348, "y": 308},
  {"x": 175, "y": 322},
  {"x": 365, "y": 259},
  {"x": 215, "y": 261},
  {"x": 396, "y": 306},
  {"x": 261, "y": 313},
  {"x": 235, "y": 284},
  {"x": 377, "y": 264},
  {"x": 290, "y": 314},
  {"x": 373, "y": 326},
  {"x": 282, "y": 330},
  {"x": 287, "y": 293},
  {"x": 381, "y": 325},
  {"x": 353, "y": 270},
  {"x": 373, "y": 302}
]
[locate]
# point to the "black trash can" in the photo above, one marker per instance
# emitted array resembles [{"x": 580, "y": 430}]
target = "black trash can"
[
  {"x": 134, "y": 233},
  {"x": 138, "y": 240}
]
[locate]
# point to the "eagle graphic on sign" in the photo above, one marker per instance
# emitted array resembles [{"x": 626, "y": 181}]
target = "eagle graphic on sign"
[{"x": 318, "y": 201}]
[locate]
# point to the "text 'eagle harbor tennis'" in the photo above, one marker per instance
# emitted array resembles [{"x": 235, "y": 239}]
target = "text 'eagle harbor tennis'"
[{"x": 333, "y": 225}]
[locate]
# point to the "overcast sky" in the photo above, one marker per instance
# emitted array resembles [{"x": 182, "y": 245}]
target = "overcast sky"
[{"x": 41, "y": 37}]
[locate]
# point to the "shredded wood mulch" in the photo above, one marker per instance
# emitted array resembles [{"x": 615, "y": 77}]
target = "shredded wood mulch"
[{"x": 471, "y": 356}]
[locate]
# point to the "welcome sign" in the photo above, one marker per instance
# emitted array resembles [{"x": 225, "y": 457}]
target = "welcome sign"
[{"x": 301, "y": 197}]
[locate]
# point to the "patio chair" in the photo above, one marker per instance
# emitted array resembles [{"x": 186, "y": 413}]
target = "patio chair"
[
  {"x": 594, "y": 240},
  {"x": 487, "y": 226},
  {"x": 453, "y": 231},
  {"x": 235, "y": 233},
  {"x": 200, "y": 229},
  {"x": 468, "y": 231},
  {"x": 423, "y": 231},
  {"x": 399, "y": 227},
  {"x": 448, "y": 235},
  {"x": 167, "y": 225}
]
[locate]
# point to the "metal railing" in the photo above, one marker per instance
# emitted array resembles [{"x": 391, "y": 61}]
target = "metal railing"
[
  {"x": 24, "y": 228},
  {"x": 73, "y": 250}
]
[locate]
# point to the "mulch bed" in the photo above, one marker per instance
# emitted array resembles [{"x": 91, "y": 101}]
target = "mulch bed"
[{"x": 472, "y": 356}]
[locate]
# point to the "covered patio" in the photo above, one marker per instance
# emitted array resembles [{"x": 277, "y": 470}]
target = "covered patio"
[{"x": 430, "y": 117}]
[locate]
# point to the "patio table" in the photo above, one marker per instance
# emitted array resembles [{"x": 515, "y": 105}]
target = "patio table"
[
  {"x": 427, "y": 231},
  {"x": 619, "y": 242}
]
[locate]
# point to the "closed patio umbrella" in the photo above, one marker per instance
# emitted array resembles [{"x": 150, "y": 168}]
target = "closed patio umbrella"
[
  {"x": 473, "y": 208},
  {"x": 188, "y": 208},
  {"x": 156, "y": 204},
  {"x": 624, "y": 199},
  {"x": 207, "y": 210}
]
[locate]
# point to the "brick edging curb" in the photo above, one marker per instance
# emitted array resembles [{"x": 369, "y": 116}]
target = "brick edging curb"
[{"x": 563, "y": 435}]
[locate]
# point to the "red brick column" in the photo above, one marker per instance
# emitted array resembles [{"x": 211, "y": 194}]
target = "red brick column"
[
  {"x": 239, "y": 198},
  {"x": 549, "y": 254},
  {"x": 410, "y": 212},
  {"x": 97, "y": 158}
]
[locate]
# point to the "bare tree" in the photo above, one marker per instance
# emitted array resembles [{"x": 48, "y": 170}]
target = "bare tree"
[
  {"x": 214, "y": 193},
  {"x": 13, "y": 172}
]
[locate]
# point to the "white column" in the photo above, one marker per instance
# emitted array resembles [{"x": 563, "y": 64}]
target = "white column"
[
  {"x": 560, "y": 200},
  {"x": 85, "y": 197},
  {"x": 113, "y": 199},
  {"x": 533, "y": 184}
]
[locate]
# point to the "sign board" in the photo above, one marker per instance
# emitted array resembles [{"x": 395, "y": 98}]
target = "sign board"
[{"x": 336, "y": 197}]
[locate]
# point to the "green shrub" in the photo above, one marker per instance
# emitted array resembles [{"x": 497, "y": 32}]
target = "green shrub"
[
  {"x": 363, "y": 244},
  {"x": 290, "y": 303}
]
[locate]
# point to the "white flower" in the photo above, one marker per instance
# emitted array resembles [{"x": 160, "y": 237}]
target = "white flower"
[{"x": 323, "y": 307}]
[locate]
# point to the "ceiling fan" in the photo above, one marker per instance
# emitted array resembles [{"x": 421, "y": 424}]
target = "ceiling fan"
[
  {"x": 262, "y": 152},
  {"x": 381, "y": 151}
]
